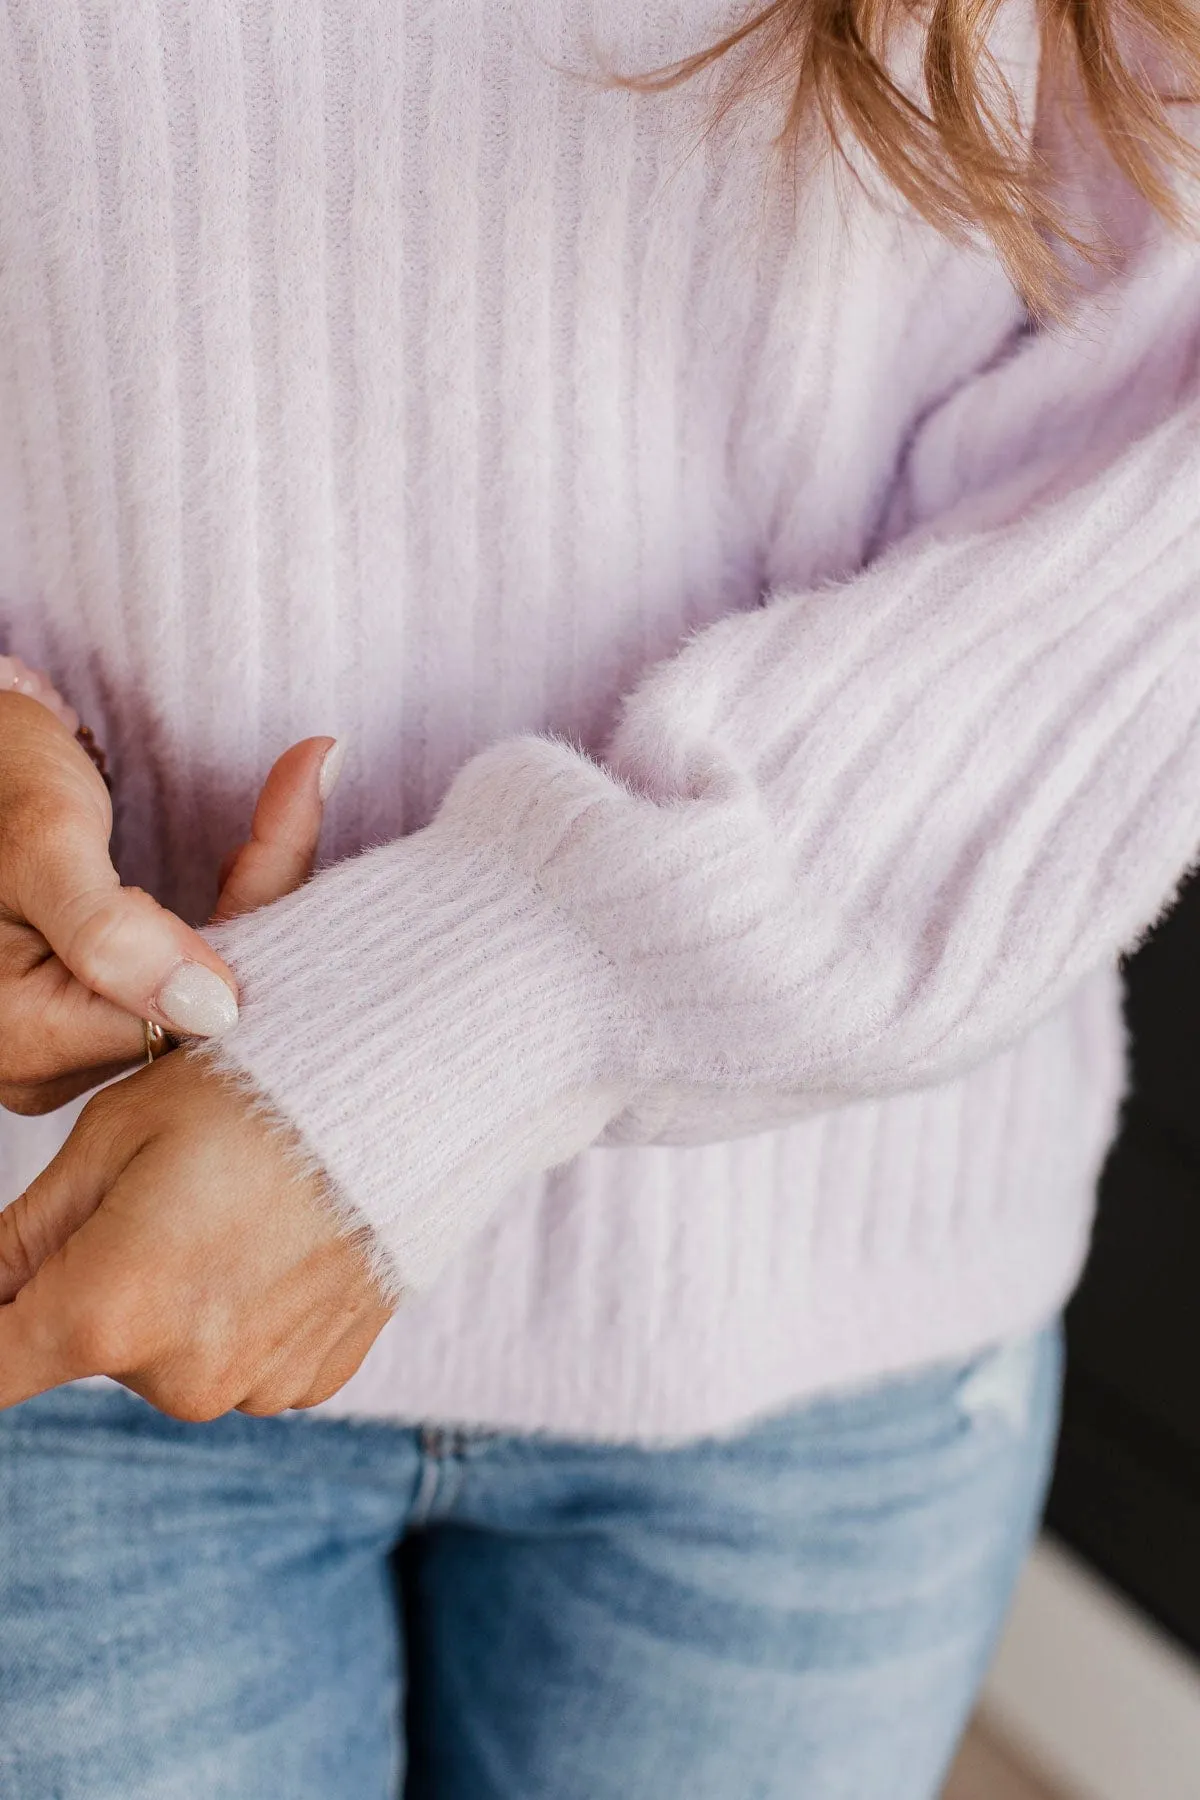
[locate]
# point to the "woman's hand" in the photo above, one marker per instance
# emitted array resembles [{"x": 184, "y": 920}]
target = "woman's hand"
[
  {"x": 178, "y": 1243},
  {"x": 82, "y": 959}
]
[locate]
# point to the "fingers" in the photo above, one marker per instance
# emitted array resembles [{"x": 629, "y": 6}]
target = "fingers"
[
  {"x": 57, "y": 1038},
  {"x": 36, "y": 1225},
  {"x": 300, "y": 1376},
  {"x": 174, "y": 1245},
  {"x": 67, "y": 1318},
  {"x": 118, "y": 942},
  {"x": 82, "y": 960},
  {"x": 93, "y": 1309},
  {"x": 57, "y": 877},
  {"x": 34, "y": 1100},
  {"x": 287, "y": 824},
  {"x": 69, "y": 1321},
  {"x": 344, "y": 1362},
  {"x": 35, "y": 1352}
]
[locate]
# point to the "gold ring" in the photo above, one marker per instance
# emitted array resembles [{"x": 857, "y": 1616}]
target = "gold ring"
[{"x": 155, "y": 1040}]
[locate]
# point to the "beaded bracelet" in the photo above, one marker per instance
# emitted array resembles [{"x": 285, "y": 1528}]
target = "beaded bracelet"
[{"x": 17, "y": 677}]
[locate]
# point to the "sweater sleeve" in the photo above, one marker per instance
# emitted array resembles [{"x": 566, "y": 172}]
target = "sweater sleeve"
[{"x": 846, "y": 844}]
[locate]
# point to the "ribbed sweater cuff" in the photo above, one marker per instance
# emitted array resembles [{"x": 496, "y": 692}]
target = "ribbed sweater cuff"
[{"x": 432, "y": 1028}]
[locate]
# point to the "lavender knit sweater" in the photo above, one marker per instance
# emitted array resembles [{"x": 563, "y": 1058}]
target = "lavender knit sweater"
[{"x": 770, "y": 671}]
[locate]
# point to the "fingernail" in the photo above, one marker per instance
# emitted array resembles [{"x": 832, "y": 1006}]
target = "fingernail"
[
  {"x": 196, "y": 1001},
  {"x": 331, "y": 768}
]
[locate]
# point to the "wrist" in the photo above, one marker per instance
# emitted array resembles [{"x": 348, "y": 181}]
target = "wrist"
[{"x": 433, "y": 1029}]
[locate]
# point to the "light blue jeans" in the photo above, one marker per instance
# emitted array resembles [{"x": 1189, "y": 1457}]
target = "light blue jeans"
[{"x": 298, "y": 1609}]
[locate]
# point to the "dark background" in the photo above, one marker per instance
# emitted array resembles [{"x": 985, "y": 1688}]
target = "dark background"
[{"x": 1126, "y": 1491}]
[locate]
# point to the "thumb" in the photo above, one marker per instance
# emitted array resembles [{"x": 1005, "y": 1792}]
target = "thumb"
[
  {"x": 118, "y": 941},
  {"x": 283, "y": 836}
]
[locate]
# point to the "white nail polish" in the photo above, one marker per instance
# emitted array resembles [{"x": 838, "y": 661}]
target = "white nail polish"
[
  {"x": 331, "y": 768},
  {"x": 197, "y": 1002}
]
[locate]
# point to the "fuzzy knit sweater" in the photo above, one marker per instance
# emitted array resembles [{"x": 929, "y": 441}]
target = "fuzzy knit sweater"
[{"x": 770, "y": 671}]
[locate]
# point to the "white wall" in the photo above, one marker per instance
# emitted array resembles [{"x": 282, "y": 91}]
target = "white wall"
[{"x": 1086, "y": 1690}]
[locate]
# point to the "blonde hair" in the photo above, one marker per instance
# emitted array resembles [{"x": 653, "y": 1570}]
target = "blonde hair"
[{"x": 959, "y": 156}]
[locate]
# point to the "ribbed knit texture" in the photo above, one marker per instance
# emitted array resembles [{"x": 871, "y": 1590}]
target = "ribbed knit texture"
[{"x": 770, "y": 674}]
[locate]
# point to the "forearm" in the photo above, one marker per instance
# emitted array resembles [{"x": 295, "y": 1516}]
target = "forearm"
[{"x": 851, "y": 842}]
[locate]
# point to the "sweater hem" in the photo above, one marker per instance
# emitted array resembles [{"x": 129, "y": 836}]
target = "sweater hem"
[{"x": 856, "y": 1329}]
